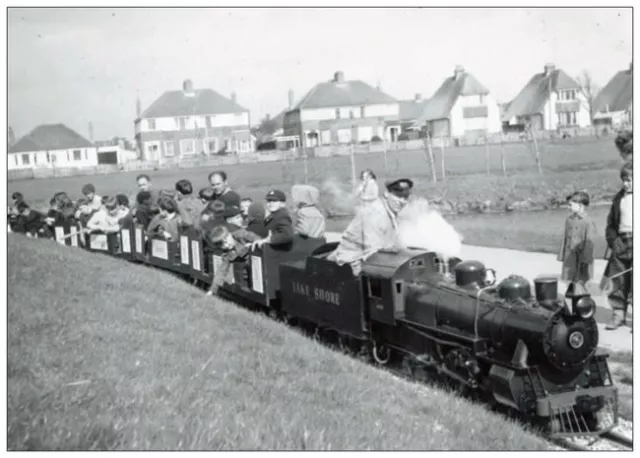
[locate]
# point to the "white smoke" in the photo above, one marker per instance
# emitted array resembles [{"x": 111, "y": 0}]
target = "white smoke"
[
  {"x": 336, "y": 198},
  {"x": 419, "y": 226}
]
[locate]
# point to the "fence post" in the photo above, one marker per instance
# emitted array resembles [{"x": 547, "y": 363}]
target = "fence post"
[
  {"x": 502, "y": 157},
  {"x": 353, "y": 166},
  {"x": 384, "y": 151},
  {"x": 444, "y": 168},
  {"x": 430, "y": 158},
  {"x": 488, "y": 158}
]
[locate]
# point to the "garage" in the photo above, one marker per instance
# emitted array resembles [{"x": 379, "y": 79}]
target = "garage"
[{"x": 108, "y": 157}]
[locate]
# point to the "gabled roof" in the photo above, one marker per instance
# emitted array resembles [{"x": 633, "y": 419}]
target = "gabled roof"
[
  {"x": 202, "y": 102},
  {"x": 461, "y": 84},
  {"x": 410, "y": 110},
  {"x": 50, "y": 137},
  {"x": 533, "y": 96},
  {"x": 616, "y": 95},
  {"x": 340, "y": 93}
]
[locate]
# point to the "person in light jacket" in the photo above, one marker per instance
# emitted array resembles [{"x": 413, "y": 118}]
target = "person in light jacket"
[
  {"x": 374, "y": 227},
  {"x": 368, "y": 190},
  {"x": 309, "y": 221}
]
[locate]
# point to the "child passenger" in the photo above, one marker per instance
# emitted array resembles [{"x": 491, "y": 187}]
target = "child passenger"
[
  {"x": 310, "y": 221},
  {"x": 107, "y": 218}
]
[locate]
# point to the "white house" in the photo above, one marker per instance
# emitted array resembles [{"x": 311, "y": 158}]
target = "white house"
[
  {"x": 341, "y": 112},
  {"x": 614, "y": 105},
  {"x": 551, "y": 100},
  {"x": 52, "y": 145},
  {"x": 461, "y": 107},
  {"x": 192, "y": 122}
]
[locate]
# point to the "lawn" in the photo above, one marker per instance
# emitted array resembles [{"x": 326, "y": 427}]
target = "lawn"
[
  {"x": 568, "y": 166},
  {"x": 113, "y": 356}
]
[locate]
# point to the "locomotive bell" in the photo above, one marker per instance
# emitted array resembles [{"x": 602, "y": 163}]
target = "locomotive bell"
[
  {"x": 546, "y": 290},
  {"x": 470, "y": 274},
  {"x": 514, "y": 287}
]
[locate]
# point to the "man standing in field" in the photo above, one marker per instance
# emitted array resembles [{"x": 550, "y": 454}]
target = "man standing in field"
[{"x": 374, "y": 227}]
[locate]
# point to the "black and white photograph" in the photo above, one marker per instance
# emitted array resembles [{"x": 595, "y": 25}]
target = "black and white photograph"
[{"x": 340, "y": 227}]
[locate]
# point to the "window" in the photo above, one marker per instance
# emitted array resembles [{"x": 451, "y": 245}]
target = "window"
[
  {"x": 77, "y": 155},
  {"x": 352, "y": 115},
  {"x": 151, "y": 124},
  {"x": 344, "y": 135},
  {"x": 15, "y": 158},
  {"x": 152, "y": 147},
  {"x": 85, "y": 155},
  {"x": 375, "y": 288},
  {"x": 569, "y": 118},
  {"x": 169, "y": 149},
  {"x": 337, "y": 113},
  {"x": 326, "y": 137},
  {"x": 181, "y": 123},
  {"x": 362, "y": 111},
  {"x": 25, "y": 159},
  {"x": 207, "y": 120},
  {"x": 568, "y": 95},
  {"x": 187, "y": 147}
]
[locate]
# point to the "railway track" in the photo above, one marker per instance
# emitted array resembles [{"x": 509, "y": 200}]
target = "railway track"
[{"x": 611, "y": 441}]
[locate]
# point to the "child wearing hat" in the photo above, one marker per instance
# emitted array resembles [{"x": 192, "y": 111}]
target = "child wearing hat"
[
  {"x": 255, "y": 219},
  {"x": 278, "y": 223},
  {"x": 578, "y": 240},
  {"x": 617, "y": 280},
  {"x": 310, "y": 221},
  {"x": 234, "y": 248}
]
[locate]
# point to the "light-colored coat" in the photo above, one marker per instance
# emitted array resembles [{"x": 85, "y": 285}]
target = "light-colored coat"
[
  {"x": 309, "y": 222},
  {"x": 373, "y": 228}
]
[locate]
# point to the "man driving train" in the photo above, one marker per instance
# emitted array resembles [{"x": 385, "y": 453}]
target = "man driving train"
[{"x": 374, "y": 227}]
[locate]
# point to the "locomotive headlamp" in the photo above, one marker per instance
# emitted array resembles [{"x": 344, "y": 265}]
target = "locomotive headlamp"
[
  {"x": 576, "y": 340},
  {"x": 585, "y": 307}
]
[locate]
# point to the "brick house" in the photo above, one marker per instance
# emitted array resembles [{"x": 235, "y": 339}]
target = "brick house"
[
  {"x": 190, "y": 122},
  {"x": 341, "y": 112}
]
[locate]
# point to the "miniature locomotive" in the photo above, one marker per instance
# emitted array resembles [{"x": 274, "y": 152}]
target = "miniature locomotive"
[{"x": 534, "y": 352}]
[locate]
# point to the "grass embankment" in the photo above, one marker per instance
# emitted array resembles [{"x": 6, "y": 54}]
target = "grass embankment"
[{"x": 108, "y": 355}]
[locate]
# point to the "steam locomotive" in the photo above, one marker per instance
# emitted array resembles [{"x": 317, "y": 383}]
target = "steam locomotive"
[{"x": 534, "y": 352}]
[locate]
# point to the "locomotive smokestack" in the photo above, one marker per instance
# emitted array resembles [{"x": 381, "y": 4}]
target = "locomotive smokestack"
[{"x": 546, "y": 291}]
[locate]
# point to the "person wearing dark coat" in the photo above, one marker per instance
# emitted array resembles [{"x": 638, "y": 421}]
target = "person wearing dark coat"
[
  {"x": 255, "y": 219},
  {"x": 222, "y": 191},
  {"x": 31, "y": 222},
  {"x": 617, "y": 281},
  {"x": 278, "y": 223},
  {"x": 145, "y": 209}
]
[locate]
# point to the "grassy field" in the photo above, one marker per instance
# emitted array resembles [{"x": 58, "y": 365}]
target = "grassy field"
[
  {"x": 101, "y": 357},
  {"x": 567, "y": 165},
  {"x": 621, "y": 367}
]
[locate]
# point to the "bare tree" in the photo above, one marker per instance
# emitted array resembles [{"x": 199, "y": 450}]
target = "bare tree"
[{"x": 590, "y": 89}]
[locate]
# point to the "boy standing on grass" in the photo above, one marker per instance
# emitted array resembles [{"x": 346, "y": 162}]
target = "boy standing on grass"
[
  {"x": 576, "y": 252},
  {"x": 617, "y": 280}
]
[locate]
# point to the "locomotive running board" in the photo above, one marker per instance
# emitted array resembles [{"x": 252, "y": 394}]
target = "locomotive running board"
[{"x": 443, "y": 336}]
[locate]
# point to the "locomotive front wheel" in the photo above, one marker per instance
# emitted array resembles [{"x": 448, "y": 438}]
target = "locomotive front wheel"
[{"x": 381, "y": 354}]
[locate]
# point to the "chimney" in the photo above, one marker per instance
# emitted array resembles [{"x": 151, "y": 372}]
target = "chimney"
[
  {"x": 338, "y": 77},
  {"x": 378, "y": 86},
  {"x": 418, "y": 97},
  {"x": 548, "y": 69},
  {"x": 138, "y": 107},
  {"x": 90, "y": 131},
  {"x": 234, "y": 97},
  {"x": 187, "y": 87},
  {"x": 459, "y": 70},
  {"x": 291, "y": 99}
]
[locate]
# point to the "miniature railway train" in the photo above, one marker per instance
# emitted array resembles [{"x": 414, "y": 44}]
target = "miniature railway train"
[{"x": 530, "y": 352}]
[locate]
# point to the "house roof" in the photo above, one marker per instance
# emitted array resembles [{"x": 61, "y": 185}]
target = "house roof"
[
  {"x": 50, "y": 137},
  {"x": 533, "y": 96},
  {"x": 616, "y": 95},
  {"x": 461, "y": 84},
  {"x": 410, "y": 110},
  {"x": 203, "y": 102},
  {"x": 339, "y": 93}
]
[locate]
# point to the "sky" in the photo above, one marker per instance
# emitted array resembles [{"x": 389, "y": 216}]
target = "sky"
[{"x": 76, "y": 65}]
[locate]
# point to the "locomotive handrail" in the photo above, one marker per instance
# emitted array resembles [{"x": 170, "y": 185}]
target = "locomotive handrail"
[{"x": 475, "y": 319}]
